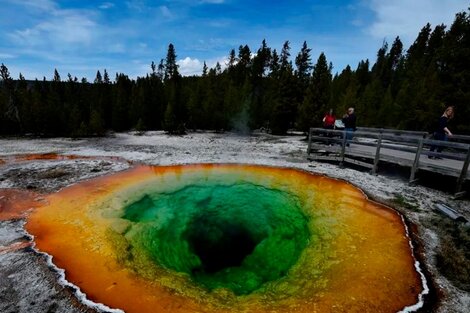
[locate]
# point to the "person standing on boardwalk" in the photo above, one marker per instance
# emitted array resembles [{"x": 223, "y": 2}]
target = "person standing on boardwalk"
[
  {"x": 329, "y": 123},
  {"x": 349, "y": 120},
  {"x": 442, "y": 131},
  {"x": 329, "y": 120}
]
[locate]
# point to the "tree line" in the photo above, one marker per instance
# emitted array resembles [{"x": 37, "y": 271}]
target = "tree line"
[{"x": 263, "y": 88}]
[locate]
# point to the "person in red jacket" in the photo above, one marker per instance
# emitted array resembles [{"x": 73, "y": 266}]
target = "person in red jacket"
[
  {"x": 329, "y": 123},
  {"x": 329, "y": 120}
]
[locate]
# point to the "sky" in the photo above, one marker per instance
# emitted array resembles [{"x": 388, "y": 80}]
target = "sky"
[{"x": 81, "y": 37}]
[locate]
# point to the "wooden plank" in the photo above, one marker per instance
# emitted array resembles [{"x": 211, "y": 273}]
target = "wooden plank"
[
  {"x": 309, "y": 141},
  {"x": 459, "y": 195},
  {"x": 447, "y": 144},
  {"x": 415, "y": 166},
  {"x": 321, "y": 149},
  {"x": 339, "y": 159},
  {"x": 463, "y": 173},
  {"x": 402, "y": 139},
  {"x": 461, "y": 138},
  {"x": 343, "y": 148},
  {"x": 446, "y": 155},
  {"x": 390, "y": 145},
  {"x": 377, "y": 156},
  {"x": 439, "y": 170},
  {"x": 357, "y": 162},
  {"x": 325, "y": 158},
  {"x": 412, "y": 149},
  {"x": 325, "y": 139},
  {"x": 394, "y": 131},
  {"x": 324, "y": 131}
]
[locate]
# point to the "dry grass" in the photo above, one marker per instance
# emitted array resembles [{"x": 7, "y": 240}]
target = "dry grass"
[
  {"x": 453, "y": 254},
  {"x": 405, "y": 204}
]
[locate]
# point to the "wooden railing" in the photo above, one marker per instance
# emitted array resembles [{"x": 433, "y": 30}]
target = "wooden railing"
[
  {"x": 391, "y": 131},
  {"x": 406, "y": 148}
]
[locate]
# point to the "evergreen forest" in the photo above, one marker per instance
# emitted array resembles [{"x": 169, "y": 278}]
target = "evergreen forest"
[{"x": 264, "y": 88}]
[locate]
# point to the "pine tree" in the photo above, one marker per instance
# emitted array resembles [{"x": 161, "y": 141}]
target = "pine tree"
[
  {"x": 218, "y": 68},
  {"x": 99, "y": 78},
  {"x": 409, "y": 98},
  {"x": 254, "y": 90},
  {"x": 204, "y": 69},
  {"x": 242, "y": 68},
  {"x": 261, "y": 60},
  {"x": 10, "y": 119},
  {"x": 232, "y": 59},
  {"x": 106, "y": 79},
  {"x": 171, "y": 67},
  {"x": 56, "y": 76},
  {"x": 363, "y": 75},
  {"x": 349, "y": 97},
  {"x": 153, "y": 67},
  {"x": 317, "y": 99},
  {"x": 304, "y": 64},
  {"x": 369, "y": 104},
  {"x": 175, "y": 110},
  {"x": 339, "y": 85},
  {"x": 121, "y": 103},
  {"x": 284, "y": 108},
  {"x": 394, "y": 59},
  {"x": 454, "y": 67},
  {"x": 161, "y": 69},
  {"x": 284, "y": 58}
]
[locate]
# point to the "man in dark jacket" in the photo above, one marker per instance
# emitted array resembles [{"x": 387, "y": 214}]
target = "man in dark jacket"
[{"x": 349, "y": 120}]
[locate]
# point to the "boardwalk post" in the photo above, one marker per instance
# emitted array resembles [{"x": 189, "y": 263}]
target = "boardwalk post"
[
  {"x": 416, "y": 162},
  {"x": 463, "y": 174},
  {"x": 343, "y": 149},
  {"x": 309, "y": 141},
  {"x": 377, "y": 155}
]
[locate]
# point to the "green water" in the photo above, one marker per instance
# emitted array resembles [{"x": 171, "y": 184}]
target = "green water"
[{"x": 237, "y": 236}]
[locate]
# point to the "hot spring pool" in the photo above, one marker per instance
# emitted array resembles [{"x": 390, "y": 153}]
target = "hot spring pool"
[{"x": 228, "y": 238}]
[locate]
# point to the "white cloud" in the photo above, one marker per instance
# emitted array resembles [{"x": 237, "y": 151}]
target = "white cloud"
[
  {"x": 405, "y": 18},
  {"x": 65, "y": 27},
  {"x": 223, "y": 61},
  {"x": 188, "y": 66},
  {"x": 58, "y": 29},
  {"x": 106, "y": 5}
]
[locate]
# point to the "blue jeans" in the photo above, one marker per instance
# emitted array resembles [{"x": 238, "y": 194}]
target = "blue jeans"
[{"x": 349, "y": 133}]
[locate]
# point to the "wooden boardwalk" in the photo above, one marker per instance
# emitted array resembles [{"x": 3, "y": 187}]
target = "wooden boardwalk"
[{"x": 372, "y": 147}]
